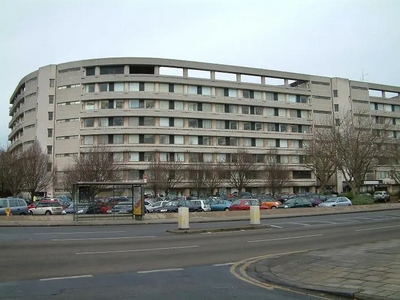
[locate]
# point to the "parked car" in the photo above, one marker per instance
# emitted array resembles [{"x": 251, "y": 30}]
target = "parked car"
[
  {"x": 270, "y": 203},
  {"x": 220, "y": 205},
  {"x": 122, "y": 208},
  {"x": 297, "y": 202},
  {"x": 47, "y": 208},
  {"x": 244, "y": 204},
  {"x": 88, "y": 209},
  {"x": 173, "y": 206},
  {"x": 336, "y": 201},
  {"x": 203, "y": 204},
  {"x": 381, "y": 196},
  {"x": 17, "y": 206},
  {"x": 157, "y": 204}
]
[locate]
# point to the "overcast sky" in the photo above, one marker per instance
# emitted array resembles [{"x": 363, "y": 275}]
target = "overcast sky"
[{"x": 338, "y": 38}]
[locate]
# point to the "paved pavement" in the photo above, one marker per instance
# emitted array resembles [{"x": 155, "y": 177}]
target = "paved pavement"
[
  {"x": 363, "y": 271},
  {"x": 367, "y": 271}
]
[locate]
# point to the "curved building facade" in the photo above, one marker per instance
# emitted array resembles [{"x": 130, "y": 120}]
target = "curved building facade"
[{"x": 143, "y": 108}]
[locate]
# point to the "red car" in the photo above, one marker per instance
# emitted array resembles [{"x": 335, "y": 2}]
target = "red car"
[
  {"x": 33, "y": 204},
  {"x": 244, "y": 204}
]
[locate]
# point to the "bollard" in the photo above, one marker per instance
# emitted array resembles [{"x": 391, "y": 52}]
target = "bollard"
[
  {"x": 183, "y": 218},
  {"x": 255, "y": 215},
  {"x": 7, "y": 211}
]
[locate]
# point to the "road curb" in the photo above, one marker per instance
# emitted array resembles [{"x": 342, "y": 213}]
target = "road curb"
[
  {"x": 99, "y": 222},
  {"x": 218, "y": 229}
]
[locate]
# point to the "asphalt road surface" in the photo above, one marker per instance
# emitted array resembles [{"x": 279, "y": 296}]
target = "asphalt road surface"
[{"x": 128, "y": 262}]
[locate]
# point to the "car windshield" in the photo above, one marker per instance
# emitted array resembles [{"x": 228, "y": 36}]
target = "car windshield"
[
  {"x": 173, "y": 203},
  {"x": 331, "y": 200},
  {"x": 236, "y": 202}
]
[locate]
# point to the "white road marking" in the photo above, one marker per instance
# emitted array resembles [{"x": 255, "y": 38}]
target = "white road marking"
[
  {"x": 377, "y": 228},
  {"x": 285, "y": 238},
  {"x": 327, "y": 222},
  {"x": 302, "y": 224},
  {"x": 366, "y": 218},
  {"x": 346, "y": 220},
  {"x": 104, "y": 238},
  {"x": 68, "y": 277},
  {"x": 235, "y": 231},
  {"x": 225, "y": 264},
  {"x": 161, "y": 270},
  {"x": 276, "y": 226},
  {"x": 137, "y": 250},
  {"x": 81, "y": 232}
]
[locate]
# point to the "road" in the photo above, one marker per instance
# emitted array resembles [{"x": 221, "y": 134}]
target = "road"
[{"x": 132, "y": 261}]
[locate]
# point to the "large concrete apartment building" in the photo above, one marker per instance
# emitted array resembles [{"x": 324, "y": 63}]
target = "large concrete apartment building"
[{"x": 187, "y": 111}]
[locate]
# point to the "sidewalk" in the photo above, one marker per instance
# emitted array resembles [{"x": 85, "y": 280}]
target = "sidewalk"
[
  {"x": 172, "y": 218},
  {"x": 368, "y": 271}
]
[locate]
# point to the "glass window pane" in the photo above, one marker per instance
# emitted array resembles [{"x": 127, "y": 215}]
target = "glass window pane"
[
  {"x": 164, "y": 139},
  {"x": 220, "y": 108},
  {"x": 103, "y": 122},
  {"x": 88, "y": 140},
  {"x": 206, "y": 91},
  {"x": 133, "y": 103},
  {"x": 164, "y": 122},
  {"x": 149, "y": 121},
  {"x": 178, "y": 122},
  {"x": 206, "y": 107},
  {"x": 133, "y": 139},
  {"x": 192, "y": 90},
  {"x": 178, "y": 105},
  {"x": 119, "y": 87},
  {"x": 133, "y": 121},
  {"x": 134, "y": 86},
  {"x": 133, "y": 156},
  {"x": 164, "y": 104},
  {"x": 207, "y": 124}
]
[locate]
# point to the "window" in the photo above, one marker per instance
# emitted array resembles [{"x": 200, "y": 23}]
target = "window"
[
  {"x": 259, "y": 126},
  {"x": 231, "y": 109},
  {"x": 248, "y": 94},
  {"x": 116, "y": 139},
  {"x": 206, "y": 107},
  {"x": 116, "y": 121},
  {"x": 336, "y": 107},
  {"x": 220, "y": 124},
  {"x": 90, "y": 71},
  {"x": 50, "y": 116},
  {"x": 51, "y": 99},
  {"x": 133, "y": 156},
  {"x": 89, "y": 122},
  {"x": 233, "y": 125},
  {"x": 164, "y": 122},
  {"x": 88, "y": 140},
  {"x": 49, "y": 149},
  {"x": 335, "y": 93},
  {"x": 193, "y": 140},
  {"x": 246, "y": 142},
  {"x": 111, "y": 70},
  {"x": 148, "y": 121},
  {"x": 52, "y": 81},
  {"x": 219, "y": 108},
  {"x": 221, "y": 141},
  {"x": 164, "y": 139},
  {"x": 207, "y": 140},
  {"x": 207, "y": 157},
  {"x": 133, "y": 139},
  {"x": 193, "y": 123},
  {"x": 199, "y": 90},
  {"x": 89, "y": 88},
  {"x": 112, "y": 87},
  {"x": 247, "y": 125},
  {"x": 148, "y": 139},
  {"x": 49, "y": 132},
  {"x": 118, "y": 157},
  {"x": 192, "y": 106},
  {"x": 179, "y": 157},
  {"x": 301, "y": 174},
  {"x": 89, "y": 105}
]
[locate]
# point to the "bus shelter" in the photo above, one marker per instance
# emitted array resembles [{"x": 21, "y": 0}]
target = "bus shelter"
[{"x": 88, "y": 198}]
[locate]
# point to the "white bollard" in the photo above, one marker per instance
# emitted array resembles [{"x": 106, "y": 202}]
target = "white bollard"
[
  {"x": 183, "y": 218},
  {"x": 255, "y": 215}
]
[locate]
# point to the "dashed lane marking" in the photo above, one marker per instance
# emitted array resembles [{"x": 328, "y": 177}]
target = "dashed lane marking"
[
  {"x": 104, "y": 238},
  {"x": 377, "y": 228},
  {"x": 286, "y": 238},
  {"x": 68, "y": 277},
  {"x": 80, "y": 232},
  {"x": 136, "y": 250},
  {"x": 160, "y": 270}
]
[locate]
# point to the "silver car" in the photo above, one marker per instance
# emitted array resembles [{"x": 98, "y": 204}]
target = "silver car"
[
  {"x": 336, "y": 201},
  {"x": 17, "y": 206},
  {"x": 47, "y": 208}
]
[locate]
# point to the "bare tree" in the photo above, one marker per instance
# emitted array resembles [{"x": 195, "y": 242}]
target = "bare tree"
[
  {"x": 320, "y": 156},
  {"x": 11, "y": 172},
  {"x": 276, "y": 175},
  {"x": 36, "y": 175},
  {"x": 94, "y": 165},
  {"x": 164, "y": 176},
  {"x": 357, "y": 147},
  {"x": 212, "y": 176},
  {"x": 242, "y": 169},
  {"x": 197, "y": 174},
  {"x": 393, "y": 159}
]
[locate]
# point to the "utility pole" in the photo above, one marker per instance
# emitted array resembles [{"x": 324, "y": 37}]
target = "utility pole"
[{"x": 363, "y": 75}]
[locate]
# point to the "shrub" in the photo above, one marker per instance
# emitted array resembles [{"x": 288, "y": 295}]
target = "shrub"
[
  {"x": 362, "y": 200},
  {"x": 348, "y": 195}
]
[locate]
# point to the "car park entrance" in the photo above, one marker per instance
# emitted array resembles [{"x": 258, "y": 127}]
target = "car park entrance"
[{"x": 97, "y": 199}]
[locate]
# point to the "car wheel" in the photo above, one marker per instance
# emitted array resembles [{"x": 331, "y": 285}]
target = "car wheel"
[
  {"x": 226, "y": 209},
  {"x": 48, "y": 212},
  {"x": 31, "y": 213},
  {"x": 273, "y": 207},
  {"x": 22, "y": 214}
]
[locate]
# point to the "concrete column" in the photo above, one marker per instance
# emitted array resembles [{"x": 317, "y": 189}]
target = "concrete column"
[
  {"x": 255, "y": 215},
  {"x": 238, "y": 77},
  {"x": 156, "y": 70},
  {"x": 212, "y": 75},
  {"x": 183, "y": 218},
  {"x": 185, "y": 73},
  {"x": 126, "y": 70},
  {"x": 263, "y": 80}
]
